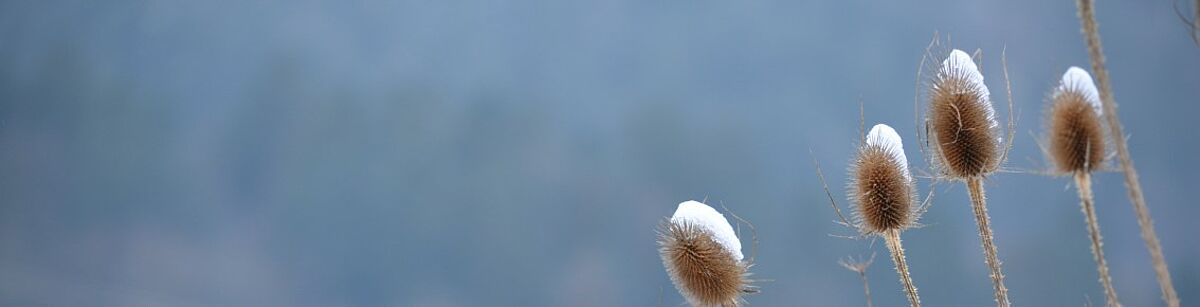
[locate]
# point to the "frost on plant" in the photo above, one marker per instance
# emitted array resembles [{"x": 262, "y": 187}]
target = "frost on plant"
[
  {"x": 1077, "y": 80},
  {"x": 959, "y": 67},
  {"x": 703, "y": 256},
  {"x": 709, "y": 220},
  {"x": 886, "y": 138}
]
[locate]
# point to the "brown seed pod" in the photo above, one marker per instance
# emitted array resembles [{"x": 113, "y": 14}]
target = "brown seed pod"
[
  {"x": 882, "y": 186},
  {"x": 961, "y": 120},
  {"x": 702, "y": 256},
  {"x": 1076, "y": 133}
]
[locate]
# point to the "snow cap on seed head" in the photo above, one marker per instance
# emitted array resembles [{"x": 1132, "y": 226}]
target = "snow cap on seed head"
[
  {"x": 1078, "y": 80},
  {"x": 960, "y": 64},
  {"x": 708, "y": 219},
  {"x": 886, "y": 138}
]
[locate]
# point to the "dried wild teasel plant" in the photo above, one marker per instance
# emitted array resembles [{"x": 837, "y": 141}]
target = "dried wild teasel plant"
[
  {"x": 885, "y": 198},
  {"x": 965, "y": 142},
  {"x": 1091, "y": 35},
  {"x": 1077, "y": 147},
  {"x": 703, "y": 256}
]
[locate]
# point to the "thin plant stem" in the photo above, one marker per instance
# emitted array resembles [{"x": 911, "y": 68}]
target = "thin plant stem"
[
  {"x": 1091, "y": 33},
  {"x": 1083, "y": 182},
  {"x": 979, "y": 206},
  {"x": 866, "y": 288},
  {"x": 892, "y": 237},
  {"x": 1193, "y": 23}
]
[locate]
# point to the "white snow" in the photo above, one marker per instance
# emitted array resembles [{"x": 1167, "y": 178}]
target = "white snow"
[
  {"x": 1079, "y": 80},
  {"x": 711, "y": 221},
  {"x": 885, "y": 137},
  {"x": 959, "y": 63}
]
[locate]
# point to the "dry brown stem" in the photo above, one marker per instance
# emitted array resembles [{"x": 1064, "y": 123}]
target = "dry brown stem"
[
  {"x": 1091, "y": 33},
  {"x": 892, "y": 237},
  {"x": 1083, "y": 181},
  {"x": 979, "y": 206}
]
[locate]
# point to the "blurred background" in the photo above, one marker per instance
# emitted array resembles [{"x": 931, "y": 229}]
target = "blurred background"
[{"x": 482, "y": 153}]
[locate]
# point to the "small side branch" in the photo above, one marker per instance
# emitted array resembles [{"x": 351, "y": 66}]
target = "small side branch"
[
  {"x": 860, "y": 266},
  {"x": 842, "y": 218}
]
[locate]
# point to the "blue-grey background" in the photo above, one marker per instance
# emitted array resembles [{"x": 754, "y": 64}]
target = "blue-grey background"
[{"x": 494, "y": 153}]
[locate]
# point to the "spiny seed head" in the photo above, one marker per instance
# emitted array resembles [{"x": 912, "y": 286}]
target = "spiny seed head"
[
  {"x": 703, "y": 256},
  {"x": 1076, "y": 132},
  {"x": 961, "y": 120},
  {"x": 882, "y": 186}
]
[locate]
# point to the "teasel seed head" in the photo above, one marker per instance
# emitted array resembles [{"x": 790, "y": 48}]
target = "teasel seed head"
[
  {"x": 1076, "y": 131},
  {"x": 703, "y": 256},
  {"x": 881, "y": 185},
  {"x": 963, "y": 131}
]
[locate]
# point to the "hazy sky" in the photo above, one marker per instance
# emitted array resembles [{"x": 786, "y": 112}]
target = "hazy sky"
[{"x": 483, "y": 153}]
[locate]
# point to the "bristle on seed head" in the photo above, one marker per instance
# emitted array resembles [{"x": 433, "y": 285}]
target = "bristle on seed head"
[
  {"x": 962, "y": 122},
  {"x": 1076, "y": 130},
  {"x": 882, "y": 186},
  {"x": 703, "y": 256}
]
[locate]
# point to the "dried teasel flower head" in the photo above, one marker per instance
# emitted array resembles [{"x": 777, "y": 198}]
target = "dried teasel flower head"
[
  {"x": 962, "y": 127},
  {"x": 1076, "y": 132},
  {"x": 703, "y": 256},
  {"x": 881, "y": 183}
]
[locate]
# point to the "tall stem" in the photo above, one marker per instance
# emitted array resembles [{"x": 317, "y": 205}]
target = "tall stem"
[
  {"x": 979, "y": 206},
  {"x": 1083, "y": 181},
  {"x": 893, "y": 243},
  {"x": 1091, "y": 33}
]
